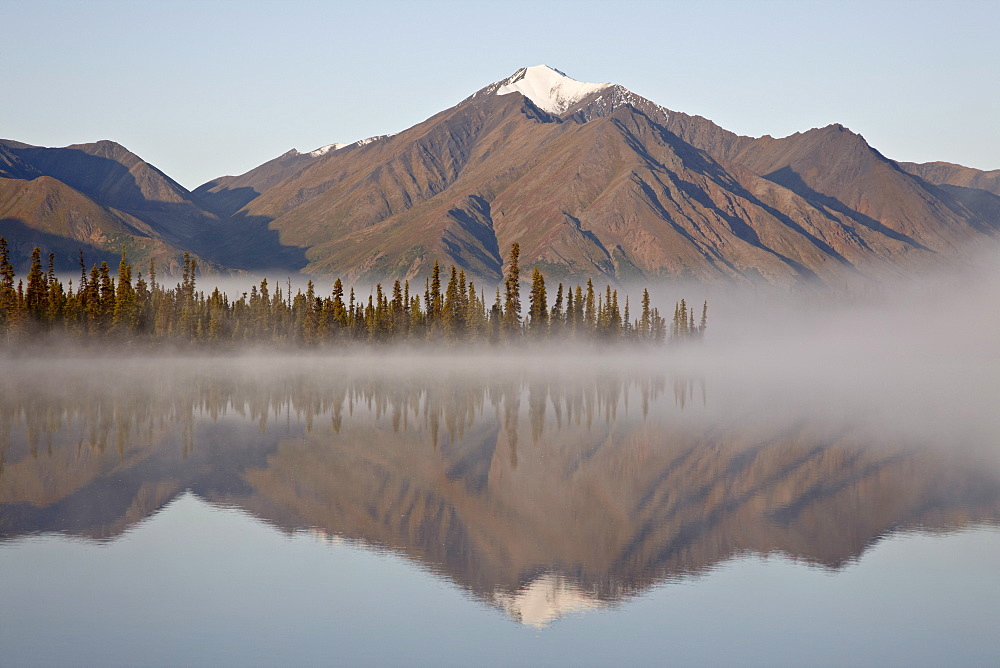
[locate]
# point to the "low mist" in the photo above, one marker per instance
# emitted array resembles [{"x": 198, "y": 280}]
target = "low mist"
[{"x": 914, "y": 359}]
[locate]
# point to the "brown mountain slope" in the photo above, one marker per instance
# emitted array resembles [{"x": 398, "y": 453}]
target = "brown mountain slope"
[
  {"x": 101, "y": 198},
  {"x": 865, "y": 187},
  {"x": 47, "y": 213},
  {"x": 617, "y": 195},
  {"x": 13, "y": 167},
  {"x": 617, "y": 186},
  {"x": 351, "y": 188},
  {"x": 591, "y": 179},
  {"x": 837, "y": 171},
  {"x": 946, "y": 173},
  {"x": 975, "y": 189},
  {"x": 228, "y": 194},
  {"x": 116, "y": 178}
]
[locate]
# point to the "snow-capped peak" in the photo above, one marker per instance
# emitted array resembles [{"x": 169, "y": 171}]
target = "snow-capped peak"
[
  {"x": 323, "y": 150},
  {"x": 548, "y": 88}
]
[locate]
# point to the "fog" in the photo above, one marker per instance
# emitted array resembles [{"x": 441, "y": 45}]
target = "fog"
[
  {"x": 810, "y": 423},
  {"x": 917, "y": 357},
  {"x": 912, "y": 359}
]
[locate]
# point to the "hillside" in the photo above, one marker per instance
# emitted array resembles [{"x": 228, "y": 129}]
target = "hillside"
[{"x": 592, "y": 180}]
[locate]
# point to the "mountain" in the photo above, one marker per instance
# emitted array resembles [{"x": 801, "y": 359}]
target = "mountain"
[
  {"x": 590, "y": 179},
  {"x": 948, "y": 174},
  {"x": 98, "y": 198},
  {"x": 228, "y": 194},
  {"x": 979, "y": 191},
  {"x": 64, "y": 221}
]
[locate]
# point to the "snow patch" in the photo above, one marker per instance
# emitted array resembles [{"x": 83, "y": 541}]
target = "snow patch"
[
  {"x": 548, "y": 88},
  {"x": 363, "y": 142},
  {"x": 545, "y": 599},
  {"x": 323, "y": 150}
]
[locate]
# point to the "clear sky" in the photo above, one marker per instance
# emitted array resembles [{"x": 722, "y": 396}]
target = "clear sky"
[{"x": 202, "y": 89}]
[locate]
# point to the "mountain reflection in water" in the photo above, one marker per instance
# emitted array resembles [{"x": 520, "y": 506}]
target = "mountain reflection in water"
[{"x": 540, "y": 491}]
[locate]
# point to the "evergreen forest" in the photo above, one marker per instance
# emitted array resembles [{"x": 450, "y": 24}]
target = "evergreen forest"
[{"x": 131, "y": 307}]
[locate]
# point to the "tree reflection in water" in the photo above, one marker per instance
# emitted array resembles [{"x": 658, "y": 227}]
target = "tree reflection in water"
[{"x": 541, "y": 491}]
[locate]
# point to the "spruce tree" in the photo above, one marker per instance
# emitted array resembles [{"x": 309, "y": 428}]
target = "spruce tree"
[
  {"x": 92, "y": 300},
  {"x": 579, "y": 311},
  {"x": 512, "y": 293},
  {"x": 570, "y": 321},
  {"x": 8, "y": 296},
  {"x": 645, "y": 320},
  {"x": 83, "y": 274},
  {"x": 310, "y": 317},
  {"x": 436, "y": 307},
  {"x": 36, "y": 297},
  {"x": 452, "y": 312},
  {"x": 339, "y": 310},
  {"x": 589, "y": 311},
  {"x": 54, "y": 294},
  {"x": 398, "y": 305},
  {"x": 626, "y": 323},
  {"x": 538, "y": 309},
  {"x": 496, "y": 318},
  {"x": 556, "y": 316},
  {"x": 185, "y": 297},
  {"x": 142, "y": 298},
  {"x": 614, "y": 317},
  {"x": 126, "y": 315}
]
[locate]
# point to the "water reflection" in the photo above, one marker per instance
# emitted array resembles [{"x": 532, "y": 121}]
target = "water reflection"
[{"x": 541, "y": 492}]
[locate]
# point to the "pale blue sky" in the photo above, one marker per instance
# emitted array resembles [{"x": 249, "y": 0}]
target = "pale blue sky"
[{"x": 203, "y": 89}]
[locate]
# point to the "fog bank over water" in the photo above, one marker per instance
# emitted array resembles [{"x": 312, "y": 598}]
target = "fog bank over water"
[
  {"x": 918, "y": 356},
  {"x": 915, "y": 357},
  {"x": 545, "y": 480}
]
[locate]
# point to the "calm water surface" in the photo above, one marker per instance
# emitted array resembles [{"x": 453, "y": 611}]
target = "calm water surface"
[{"x": 472, "y": 511}]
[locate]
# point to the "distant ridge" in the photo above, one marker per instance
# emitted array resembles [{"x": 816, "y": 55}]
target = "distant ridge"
[{"x": 590, "y": 179}]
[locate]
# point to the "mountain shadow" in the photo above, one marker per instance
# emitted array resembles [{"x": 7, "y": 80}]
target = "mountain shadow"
[
  {"x": 22, "y": 239},
  {"x": 789, "y": 178},
  {"x": 248, "y": 243},
  {"x": 224, "y": 203}
]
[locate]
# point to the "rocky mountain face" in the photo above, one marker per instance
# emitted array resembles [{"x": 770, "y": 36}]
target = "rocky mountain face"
[
  {"x": 590, "y": 179},
  {"x": 975, "y": 189},
  {"x": 948, "y": 174},
  {"x": 97, "y": 198}
]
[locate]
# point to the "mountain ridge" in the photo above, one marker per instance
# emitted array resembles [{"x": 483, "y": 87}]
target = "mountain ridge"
[{"x": 592, "y": 180}]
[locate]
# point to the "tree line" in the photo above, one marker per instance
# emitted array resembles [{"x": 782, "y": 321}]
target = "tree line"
[{"x": 450, "y": 309}]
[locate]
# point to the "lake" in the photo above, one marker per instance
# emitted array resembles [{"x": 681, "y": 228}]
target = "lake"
[{"x": 556, "y": 508}]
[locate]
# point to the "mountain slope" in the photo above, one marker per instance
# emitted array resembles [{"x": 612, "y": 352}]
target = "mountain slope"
[
  {"x": 228, "y": 194},
  {"x": 948, "y": 174},
  {"x": 975, "y": 189},
  {"x": 592, "y": 179},
  {"x": 117, "y": 179},
  {"x": 837, "y": 170},
  {"x": 47, "y": 213},
  {"x": 101, "y": 198}
]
